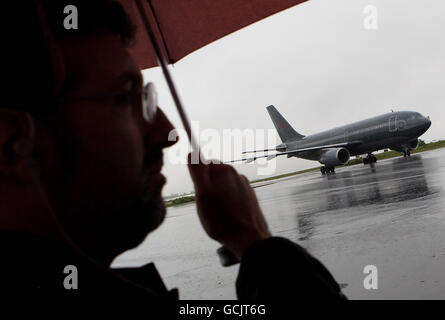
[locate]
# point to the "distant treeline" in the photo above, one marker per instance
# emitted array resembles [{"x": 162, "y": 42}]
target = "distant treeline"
[{"x": 178, "y": 201}]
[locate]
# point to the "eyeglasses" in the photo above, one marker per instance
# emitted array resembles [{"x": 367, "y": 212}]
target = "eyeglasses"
[{"x": 148, "y": 96}]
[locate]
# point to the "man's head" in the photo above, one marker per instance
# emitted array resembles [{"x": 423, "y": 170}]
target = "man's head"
[{"x": 95, "y": 158}]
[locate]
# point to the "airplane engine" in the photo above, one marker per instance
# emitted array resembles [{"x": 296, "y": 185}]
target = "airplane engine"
[{"x": 335, "y": 157}]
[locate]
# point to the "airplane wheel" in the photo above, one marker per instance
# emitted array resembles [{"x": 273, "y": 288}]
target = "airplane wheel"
[
  {"x": 408, "y": 153},
  {"x": 369, "y": 160},
  {"x": 330, "y": 170},
  {"x": 323, "y": 170}
]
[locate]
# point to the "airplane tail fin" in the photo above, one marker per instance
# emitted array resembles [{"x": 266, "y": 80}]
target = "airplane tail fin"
[{"x": 283, "y": 127}]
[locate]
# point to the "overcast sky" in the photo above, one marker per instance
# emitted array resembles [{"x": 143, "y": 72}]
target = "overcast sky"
[{"x": 320, "y": 67}]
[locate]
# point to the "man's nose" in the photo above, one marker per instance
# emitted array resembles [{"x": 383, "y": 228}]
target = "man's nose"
[{"x": 159, "y": 131}]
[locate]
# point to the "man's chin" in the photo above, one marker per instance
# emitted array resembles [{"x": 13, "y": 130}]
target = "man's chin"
[
  {"x": 145, "y": 218},
  {"x": 114, "y": 226},
  {"x": 156, "y": 213},
  {"x": 149, "y": 215},
  {"x": 155, "y": 210}
]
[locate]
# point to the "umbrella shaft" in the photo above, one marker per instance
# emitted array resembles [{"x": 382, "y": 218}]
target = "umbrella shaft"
[
  {"x": 227, "y": 258},
  {"x": 164, "y": 66}
]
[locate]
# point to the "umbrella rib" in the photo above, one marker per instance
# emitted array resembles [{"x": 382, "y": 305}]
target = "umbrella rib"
[{"x": 170, "y": 60}]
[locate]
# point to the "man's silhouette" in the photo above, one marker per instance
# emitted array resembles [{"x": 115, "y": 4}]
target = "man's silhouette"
[{"x": 80, "y": 170}]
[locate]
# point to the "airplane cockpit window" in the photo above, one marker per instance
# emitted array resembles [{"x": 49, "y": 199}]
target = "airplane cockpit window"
[{"x": 415, "y": 116}]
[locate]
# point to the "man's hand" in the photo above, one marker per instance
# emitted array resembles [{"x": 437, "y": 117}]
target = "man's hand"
[{"x": 227, "y": 206}]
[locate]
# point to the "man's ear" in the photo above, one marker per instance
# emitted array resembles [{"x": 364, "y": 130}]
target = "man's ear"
[{"x": 17, "y": 136}]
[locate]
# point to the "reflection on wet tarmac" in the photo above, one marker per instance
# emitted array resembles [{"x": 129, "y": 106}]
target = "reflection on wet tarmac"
[
  {"x": 403, "y": 179},
  {"x": 369, "y": 186}
]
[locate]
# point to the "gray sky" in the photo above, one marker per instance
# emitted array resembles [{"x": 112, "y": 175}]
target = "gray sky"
[{"x": 320, "y": 67}]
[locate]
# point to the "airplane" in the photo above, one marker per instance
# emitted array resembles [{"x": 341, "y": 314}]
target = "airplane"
[{"x": 398, "y": 131}]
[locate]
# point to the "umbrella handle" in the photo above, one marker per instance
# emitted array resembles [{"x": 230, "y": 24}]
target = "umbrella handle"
[{"x": 226, "y": 256}]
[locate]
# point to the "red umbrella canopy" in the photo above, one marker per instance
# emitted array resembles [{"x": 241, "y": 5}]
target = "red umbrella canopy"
[{"x": 183, "y": 26}]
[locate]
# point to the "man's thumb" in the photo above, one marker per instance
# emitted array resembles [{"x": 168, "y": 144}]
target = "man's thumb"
[{"x": 199, "y": 172}]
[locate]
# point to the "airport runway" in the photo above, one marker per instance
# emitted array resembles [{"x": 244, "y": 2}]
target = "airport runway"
[{"x": 391, "y": 216}]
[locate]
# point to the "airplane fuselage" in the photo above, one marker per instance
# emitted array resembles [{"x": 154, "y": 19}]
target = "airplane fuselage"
[{"x": 396, "y": 130}]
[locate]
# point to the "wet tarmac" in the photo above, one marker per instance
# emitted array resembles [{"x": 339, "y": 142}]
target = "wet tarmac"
[{"x": 390, "y": 216}]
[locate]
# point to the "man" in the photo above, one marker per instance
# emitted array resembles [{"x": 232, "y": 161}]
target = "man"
[{"x": 80, "y": 171}]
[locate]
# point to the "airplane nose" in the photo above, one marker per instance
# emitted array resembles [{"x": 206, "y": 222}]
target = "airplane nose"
[{"x": 427, "y": 124}]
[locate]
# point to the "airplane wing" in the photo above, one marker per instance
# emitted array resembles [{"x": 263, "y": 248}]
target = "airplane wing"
[
  {"x": 296, "y": 151},
  {"x": 254, "y": 151}
]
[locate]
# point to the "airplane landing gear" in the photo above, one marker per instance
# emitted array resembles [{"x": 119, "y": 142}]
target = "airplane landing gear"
[
  {"x": 327, "y": 170},
  {"x": 407, "y": 153},
  {"x": 370, "y": 159}
]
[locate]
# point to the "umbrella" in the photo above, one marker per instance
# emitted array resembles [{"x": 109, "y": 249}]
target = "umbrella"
[
  {"x": 168, "y": 30},
  {"x": 183, "y": 26}
]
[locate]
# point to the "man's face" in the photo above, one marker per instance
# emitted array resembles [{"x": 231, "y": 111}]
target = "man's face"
[{"x": 106, "y": 184}]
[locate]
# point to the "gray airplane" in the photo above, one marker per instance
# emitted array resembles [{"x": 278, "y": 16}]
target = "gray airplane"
[{"x": 396, "y": 130}]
